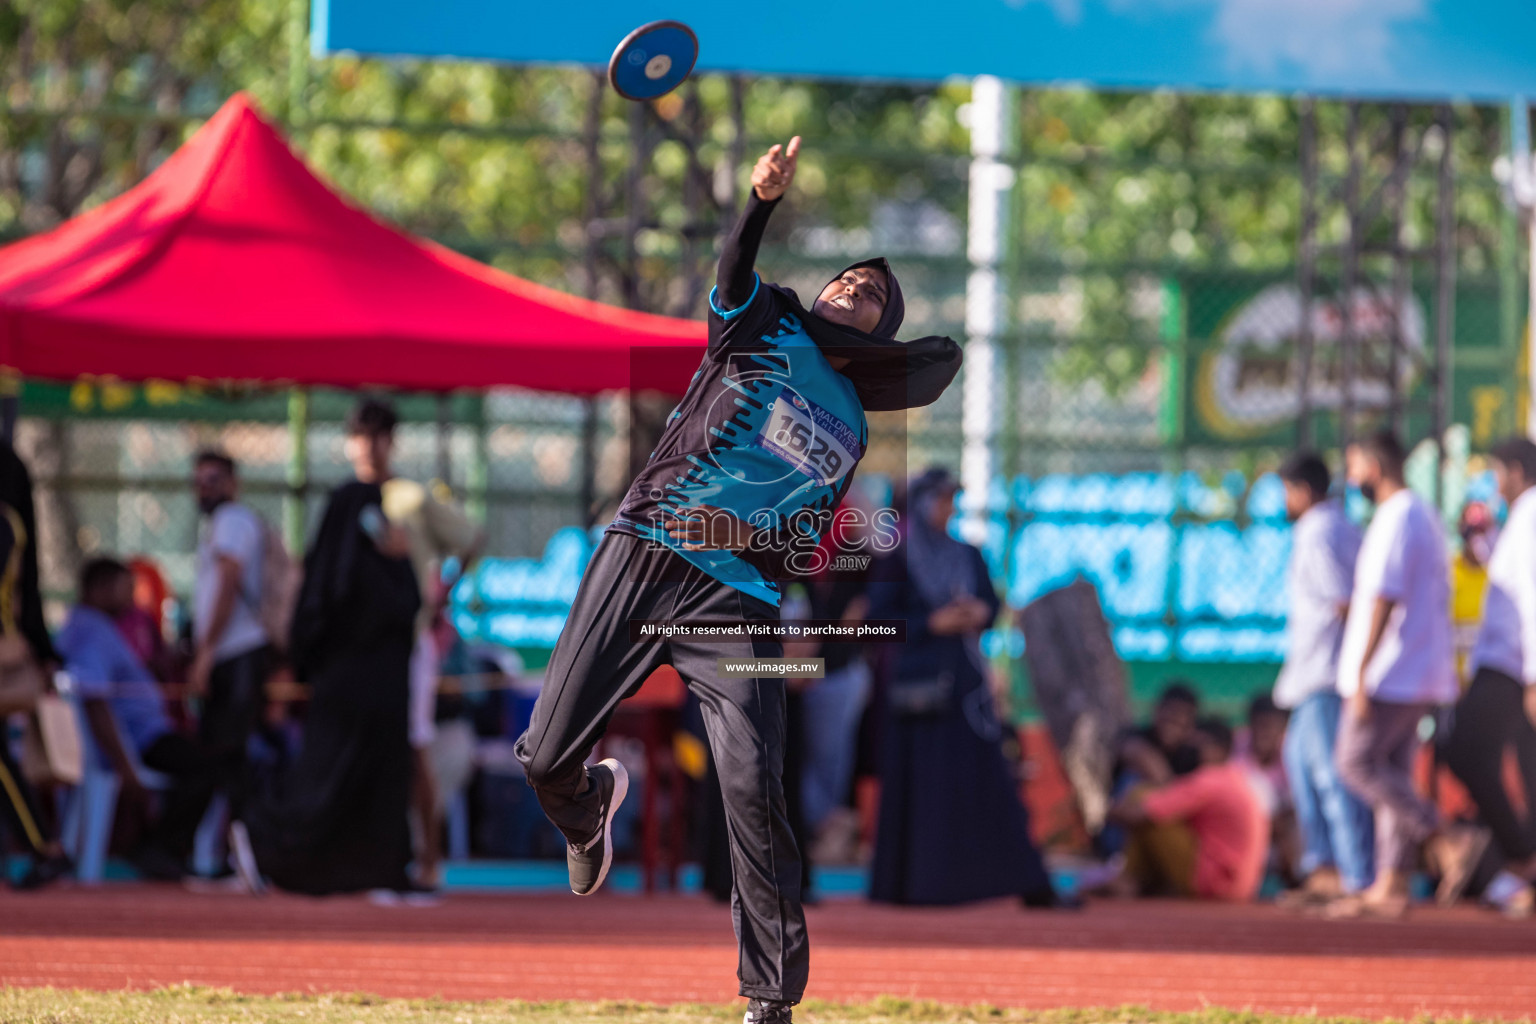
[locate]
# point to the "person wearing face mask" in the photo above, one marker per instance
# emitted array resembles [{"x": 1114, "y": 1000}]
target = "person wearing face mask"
[
  {"x": 1335, "y": 826},
  {"x": 231, "y": 642},
  {"x": 732, "y": 503},
  {"x": 1395, "y": 668},
  {"x": 233, "y": 653}
]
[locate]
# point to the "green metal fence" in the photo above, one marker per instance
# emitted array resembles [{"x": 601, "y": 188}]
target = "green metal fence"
[{"x": 1142, "y": 228}]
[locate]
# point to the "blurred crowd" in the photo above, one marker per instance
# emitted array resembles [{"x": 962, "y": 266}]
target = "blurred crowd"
[
  {"x": 313, "y": 726},
  {"x": 133, "y": 741},
  {"x": 1398, "y": 744}
]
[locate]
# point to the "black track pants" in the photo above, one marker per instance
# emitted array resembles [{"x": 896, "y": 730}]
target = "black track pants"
[
  {"x": 595, "y": 665},
  {"x": 1491, "y": 719}
]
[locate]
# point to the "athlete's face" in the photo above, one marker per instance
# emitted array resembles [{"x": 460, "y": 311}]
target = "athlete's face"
[{"x": 856, "y": 299}]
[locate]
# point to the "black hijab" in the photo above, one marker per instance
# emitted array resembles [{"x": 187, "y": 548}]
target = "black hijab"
[
  {"x": 887, "y": 374},
  {"x": 939, "y": 566},
  {"x": 895, "y": 307},
  {"x": 331, "y": 575}
]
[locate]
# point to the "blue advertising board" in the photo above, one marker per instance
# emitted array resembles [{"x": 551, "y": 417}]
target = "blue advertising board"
[
  {"x": 1187, "y": 569},
  {"x": 1426, "y": 49}
]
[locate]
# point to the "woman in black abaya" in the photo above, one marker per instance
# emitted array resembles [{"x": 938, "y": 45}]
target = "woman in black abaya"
[
  {"x": 338, "y": 823},
  {"x": 952, "y": 827}
]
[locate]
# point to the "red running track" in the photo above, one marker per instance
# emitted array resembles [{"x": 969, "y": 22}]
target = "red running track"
[{"x": 669, "y": 949}]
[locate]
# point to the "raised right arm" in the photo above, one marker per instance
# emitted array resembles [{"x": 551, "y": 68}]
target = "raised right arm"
[{"x": 735, "y": 280}]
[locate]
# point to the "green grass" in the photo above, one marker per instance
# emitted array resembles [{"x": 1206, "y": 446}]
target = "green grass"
[{"x": 191, "y": 1005}]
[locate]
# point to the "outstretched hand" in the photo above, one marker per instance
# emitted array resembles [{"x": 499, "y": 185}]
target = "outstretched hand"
[
  {"x": 707, "y": 528},
  {"x": 775, "y": 170}
]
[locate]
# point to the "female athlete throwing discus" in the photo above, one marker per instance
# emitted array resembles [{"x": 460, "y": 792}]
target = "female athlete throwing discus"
[{"x": 730, "y": 506}]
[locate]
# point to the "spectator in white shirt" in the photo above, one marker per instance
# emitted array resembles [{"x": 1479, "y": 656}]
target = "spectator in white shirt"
[
  {"x": 1395, "y": 667},
  {"x": 1335, "y": 825},
  {"x": 1497, "y": 710},
  {"x": 233, "y": 653}
]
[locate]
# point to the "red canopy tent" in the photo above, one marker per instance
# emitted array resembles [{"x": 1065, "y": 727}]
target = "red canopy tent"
[{"x": 233, "y": 261}]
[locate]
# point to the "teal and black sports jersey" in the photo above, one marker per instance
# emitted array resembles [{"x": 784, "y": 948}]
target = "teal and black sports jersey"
[{"x": 767, "y": 431}]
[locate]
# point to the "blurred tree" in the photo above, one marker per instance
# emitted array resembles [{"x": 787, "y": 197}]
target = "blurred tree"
[
  {"x": 1118, "y": 189},
  {"x": 1115, "y": 189},
  {"x": 92, "y": 91}
]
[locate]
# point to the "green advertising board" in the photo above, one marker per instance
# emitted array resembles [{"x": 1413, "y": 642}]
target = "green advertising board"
[{"x": 1241, "y": 369}]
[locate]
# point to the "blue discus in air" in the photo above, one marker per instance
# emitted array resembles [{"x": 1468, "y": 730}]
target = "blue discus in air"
[{"x": 653, "y": 60}]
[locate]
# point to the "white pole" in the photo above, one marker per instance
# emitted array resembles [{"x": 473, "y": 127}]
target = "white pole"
[
  {"x": 991, "y": 180},
  {"x": 1530, "y": 329},
  {"x": 1520, "y": 188}
]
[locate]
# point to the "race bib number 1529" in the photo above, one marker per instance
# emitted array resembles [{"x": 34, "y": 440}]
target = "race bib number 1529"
[{"x": 810, "y": 439}]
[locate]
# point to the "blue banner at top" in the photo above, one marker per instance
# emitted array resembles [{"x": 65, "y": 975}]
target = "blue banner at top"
[{"x": 1421, "y": 49}]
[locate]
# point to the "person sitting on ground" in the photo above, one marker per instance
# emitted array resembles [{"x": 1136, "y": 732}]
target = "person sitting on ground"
[
  {"x": 1260, "y": 749},
  {"x": 1259, "y": 746},
  {"x": 1203, "y": 835},
  {"x": 1164, "y": 748},
  {"x": 128, "y": 721},
  {"x": 1155, "y": 753}
]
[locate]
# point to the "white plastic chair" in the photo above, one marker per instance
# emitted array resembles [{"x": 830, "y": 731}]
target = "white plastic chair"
[{"x": 91, "y": 807}]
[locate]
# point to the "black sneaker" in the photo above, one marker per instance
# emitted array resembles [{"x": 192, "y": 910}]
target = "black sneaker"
[
  {"x": 768, "y": 1011},
  {"x": 588, "y": 862}
]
